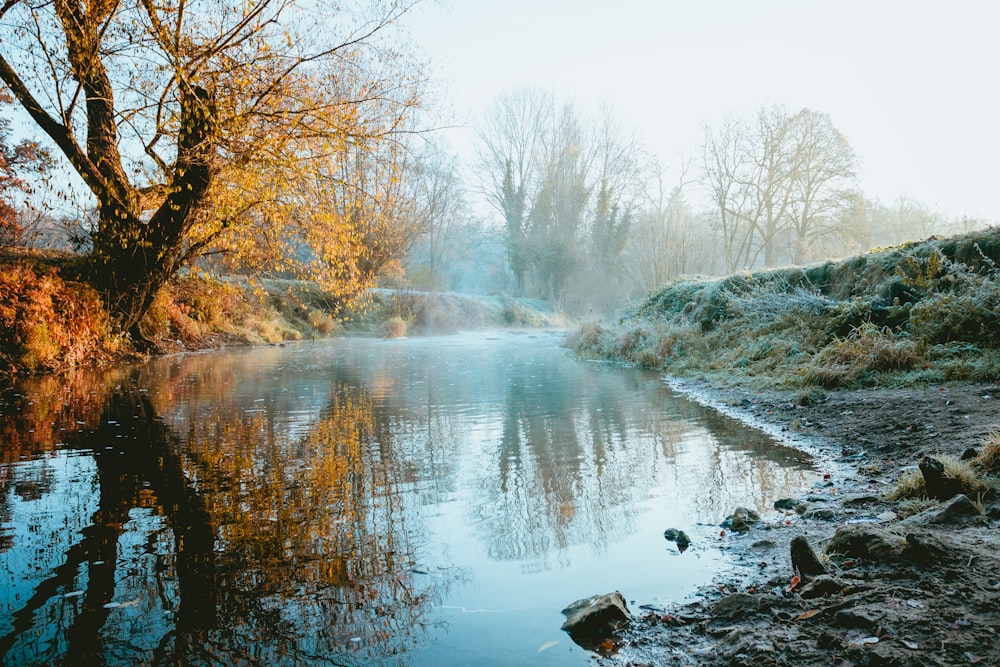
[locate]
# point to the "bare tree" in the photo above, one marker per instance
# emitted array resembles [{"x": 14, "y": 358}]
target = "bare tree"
[
  {"x": 822, "y": 183},
  {"x": 724, "y": 162},
  {"x": 510, "y": 143},
  {"x": 438, "y": 212},
  {"x": 667, "y": 240},
  {"x": 778, "y": 180}
]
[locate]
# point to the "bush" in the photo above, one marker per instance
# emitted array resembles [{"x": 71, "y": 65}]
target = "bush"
[
  {"x": 47, "y": 323},
  {"x": 394, "y": 327}
]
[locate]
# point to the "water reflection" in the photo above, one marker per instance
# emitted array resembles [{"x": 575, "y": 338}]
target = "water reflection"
[
  {"x": 232, "y": 544},
  {"x": 353, "y": 502}
]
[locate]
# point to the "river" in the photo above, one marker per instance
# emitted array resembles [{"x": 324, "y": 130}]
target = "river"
[{"x": 425, "y": 501}]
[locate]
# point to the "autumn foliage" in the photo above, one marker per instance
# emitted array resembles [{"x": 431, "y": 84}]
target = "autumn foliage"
[
  {"x": 48, "y": 323},
  {"x": 268, "y": 132}
]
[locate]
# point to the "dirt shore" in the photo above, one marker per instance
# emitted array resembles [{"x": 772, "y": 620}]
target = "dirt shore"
[{"x": 907, "y": 583}]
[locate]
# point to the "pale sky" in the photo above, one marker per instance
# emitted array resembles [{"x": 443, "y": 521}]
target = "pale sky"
[{"x": 913, "y": 85}]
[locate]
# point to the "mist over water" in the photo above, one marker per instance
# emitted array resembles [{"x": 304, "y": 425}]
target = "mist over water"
[{"x": 421, "y": 501}]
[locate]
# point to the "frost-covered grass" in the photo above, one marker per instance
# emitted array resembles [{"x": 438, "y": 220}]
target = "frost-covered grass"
[{"x": 924, "y": 312}]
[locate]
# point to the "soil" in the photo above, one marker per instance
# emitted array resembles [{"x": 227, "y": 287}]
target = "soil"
[{"x": 907, "y": 584}]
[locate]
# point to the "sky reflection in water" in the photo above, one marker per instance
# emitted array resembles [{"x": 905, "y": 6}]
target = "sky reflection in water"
[{"x": 425, "y": 501}]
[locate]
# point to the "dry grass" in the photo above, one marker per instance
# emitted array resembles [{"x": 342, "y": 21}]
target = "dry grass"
[
  {"x": 394, "y": 327},
  {"x": 988, "y": 459},
  {"x": 911, "y": 483}
]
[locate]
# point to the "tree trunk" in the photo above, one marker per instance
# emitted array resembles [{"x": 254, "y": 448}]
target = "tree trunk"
[{"x": 132, "y": 258}]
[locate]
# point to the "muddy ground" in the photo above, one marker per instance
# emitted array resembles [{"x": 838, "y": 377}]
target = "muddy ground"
[{"x": 907, "y": 583}]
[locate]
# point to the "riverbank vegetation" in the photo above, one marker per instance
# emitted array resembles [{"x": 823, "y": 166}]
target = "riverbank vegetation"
[
  {"x": 50, "y": 321},
  {"x": 915, "y": 313}
]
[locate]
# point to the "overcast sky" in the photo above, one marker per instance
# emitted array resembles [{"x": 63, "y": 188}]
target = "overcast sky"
[{"x": 914, "y": 86}]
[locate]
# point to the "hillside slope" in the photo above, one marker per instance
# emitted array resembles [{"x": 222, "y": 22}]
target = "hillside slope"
[{"x": 920, "y": 312}]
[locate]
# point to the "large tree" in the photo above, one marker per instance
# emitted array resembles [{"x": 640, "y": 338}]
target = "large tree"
[{"x": 196, "y": 123}]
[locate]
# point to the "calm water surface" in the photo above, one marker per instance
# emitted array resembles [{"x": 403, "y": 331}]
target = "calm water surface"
[{"x": 430, "y": 501}]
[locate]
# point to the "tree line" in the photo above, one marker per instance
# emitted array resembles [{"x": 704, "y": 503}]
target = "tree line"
[
  {"x": 584, "y": 215},
  {"x": 285, "y": 139}
]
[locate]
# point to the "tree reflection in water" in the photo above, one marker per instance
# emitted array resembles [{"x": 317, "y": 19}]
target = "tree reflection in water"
[
  {"x": 236, "y": 545},
  {"x": 292, "y": 505}
]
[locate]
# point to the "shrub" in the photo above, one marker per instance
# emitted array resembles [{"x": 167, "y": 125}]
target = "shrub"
[
  {"x": 394, "y": 327},
  {"x": 868, "y": 349},
  {"x": 47, "y": 323},
  {"x": 322, "y": 322}
]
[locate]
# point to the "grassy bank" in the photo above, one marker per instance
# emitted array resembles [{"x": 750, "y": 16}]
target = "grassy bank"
[
  {"x": 920, "y": 312},
  {"x": 50, "y": 321}
]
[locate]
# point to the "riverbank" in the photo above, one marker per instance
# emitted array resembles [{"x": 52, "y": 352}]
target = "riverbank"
[
  {"x": 51, "y": 321},
  {"x": 906, "y": 583},
  {"x": 886, "y": 366}
]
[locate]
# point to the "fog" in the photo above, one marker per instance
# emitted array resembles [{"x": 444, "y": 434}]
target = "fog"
[{"x": 604, "y": 150}]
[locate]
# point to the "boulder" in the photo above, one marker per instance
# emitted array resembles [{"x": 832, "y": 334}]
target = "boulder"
[
  {"x": 863, "y": 540},
  {"x": 741, "y": 519},
  {"x": 679, "y": 537},
  {"x": 956, "y": 510},
  {"x": 594, "y": 620},
  {"x": 736, "y": 606},
  {"x": 926, "y": 549},
  {"x": 821, "y": 586}
]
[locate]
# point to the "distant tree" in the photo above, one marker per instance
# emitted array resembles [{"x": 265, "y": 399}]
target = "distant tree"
[
  {"x": 724, "y": 161},
  {"x": 906, "y": 219},
  {"x": 778, "y": 181},
  {"x": 617, "y": 185},
  {"x": 567, "y": 188},
  {"x": 204, "y": 123},
  {"x": 825, "y": 167},
  {"x": 438, "y": 212},
  {"x": 510, "y": 143},
  {"x": 668, "y": 239},
  {"x": 16, "y": 161},
  {"x": 556, "y": 220}
]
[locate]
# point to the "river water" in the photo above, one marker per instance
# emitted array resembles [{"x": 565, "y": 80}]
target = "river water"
[{"x": 431, "y": 501}]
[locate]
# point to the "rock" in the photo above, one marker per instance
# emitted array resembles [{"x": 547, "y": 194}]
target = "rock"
[
  {"x": 860, "y": 501},
  {"x": 804, "y": 560},
  {"x": 785, "y": 504},
  {"x": 969, "y": 454},
  {"x": 937, "y": 484},
  {"x": 678, "y": 536},
  {"x": 736, "y": 606},
  {"x": 596, "y": 619},
  {"x": 852, "y": 618},
  {"x": 821, "y": 514},
  {"x": 863, "y": 540},
  {"x": 743, "y": 644},
  {"x": 683, "y": 541},
  {"x": 821, "y": 586},
  {"x": 925, "y": 549},
  {"x": 957, "y": 510},
  {"x": 741, "y": 519}
]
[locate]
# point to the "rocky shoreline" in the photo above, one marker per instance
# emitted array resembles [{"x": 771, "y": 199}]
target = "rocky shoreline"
[{"x": 900, "y": 582}]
